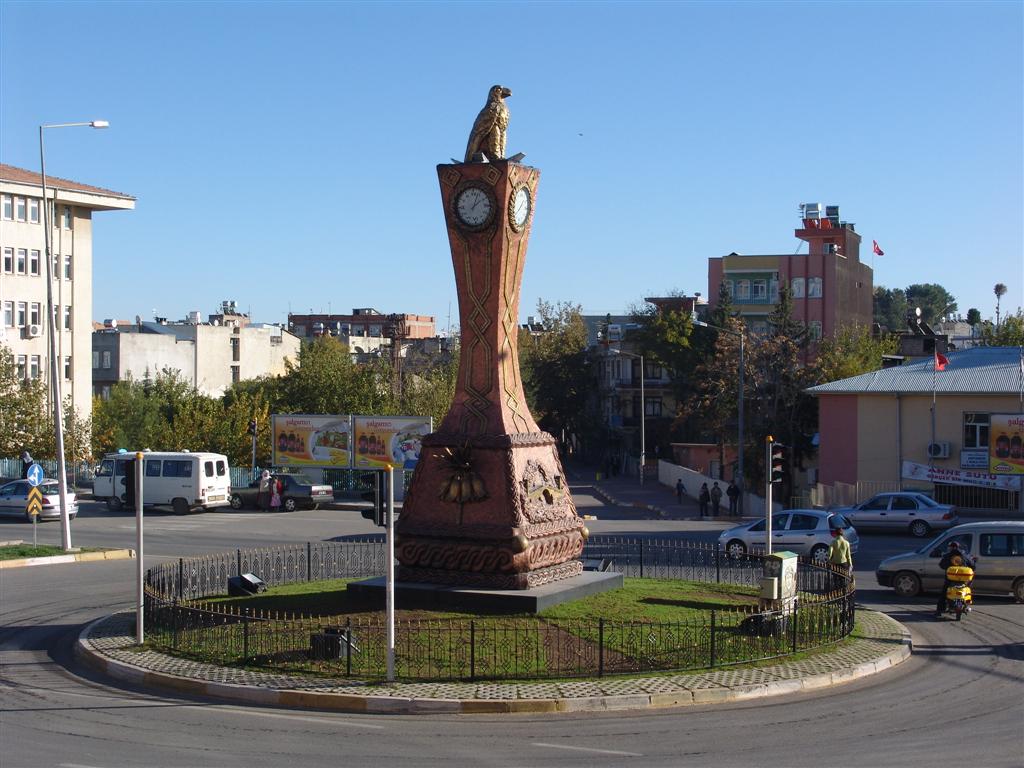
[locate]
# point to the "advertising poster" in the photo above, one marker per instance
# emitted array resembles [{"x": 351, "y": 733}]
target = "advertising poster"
[
  {"x": 1005, "y": 449},
  {"x": 915, "y": 471},
  {"x": 302, "y": 440},
  {"x": 379, "y": 441}
]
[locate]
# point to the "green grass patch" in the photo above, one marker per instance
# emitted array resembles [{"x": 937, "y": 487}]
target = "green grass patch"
[{"x": 19, "y": 551}]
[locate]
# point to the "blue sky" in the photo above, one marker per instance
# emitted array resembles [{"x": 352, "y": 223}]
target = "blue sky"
[{"x": 283, "y": 154}]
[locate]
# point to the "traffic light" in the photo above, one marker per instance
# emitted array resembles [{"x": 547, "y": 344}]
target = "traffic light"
[
  {"x": 252, "y": 427},
  {"x": 377, "y": 495},
  {"x": 777, "y": 457}
]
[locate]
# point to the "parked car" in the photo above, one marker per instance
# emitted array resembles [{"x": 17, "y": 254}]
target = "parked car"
[
  {"x": 14, "y": 500},
  {"x": 297, "y": 491},
  {"x": 903, "y": 511},
  {"x": 998, "y": 548},
  {"x": 806, "y": 532}
]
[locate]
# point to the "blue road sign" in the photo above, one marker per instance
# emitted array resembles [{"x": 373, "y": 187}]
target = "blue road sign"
[{"x": 34, "y": 475}]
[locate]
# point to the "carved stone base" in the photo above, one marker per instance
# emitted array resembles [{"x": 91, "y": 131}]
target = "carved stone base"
[{"x": 526, "y": 580}]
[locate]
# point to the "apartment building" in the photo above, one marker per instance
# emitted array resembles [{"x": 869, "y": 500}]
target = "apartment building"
[{"x": 23, "y": 275}]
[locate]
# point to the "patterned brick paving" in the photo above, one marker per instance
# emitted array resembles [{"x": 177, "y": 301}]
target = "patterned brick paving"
[{"x": 113, "y": 638}]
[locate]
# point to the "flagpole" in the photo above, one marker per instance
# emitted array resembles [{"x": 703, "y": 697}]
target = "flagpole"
[{"x": 935, "y": 363}]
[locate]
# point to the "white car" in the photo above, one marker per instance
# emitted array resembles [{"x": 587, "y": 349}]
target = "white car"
[
  {"x": 14, "y": 500},
  {"x": 806, "y": 532}
]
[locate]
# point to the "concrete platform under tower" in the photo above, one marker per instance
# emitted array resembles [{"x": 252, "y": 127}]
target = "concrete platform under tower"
[{"x": 443, "y": 597}]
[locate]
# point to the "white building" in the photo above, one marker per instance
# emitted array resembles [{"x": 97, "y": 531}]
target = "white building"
[
  {"x": 23, "y": 275},
  {"x": 210, "y": 355}
]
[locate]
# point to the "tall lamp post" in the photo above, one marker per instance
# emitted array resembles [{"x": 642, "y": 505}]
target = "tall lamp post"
[
  {"x": 643, "y": 410},
  {"x": 739, "y": 335},
  {"x": 58, "y": 416}
]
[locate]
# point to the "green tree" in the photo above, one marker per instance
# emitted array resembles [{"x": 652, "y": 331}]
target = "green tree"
[
  {"x": 24, "y": 418},
  {"x": 853, "y": 350},
  {"x": 890, "y": 308},
  {"x": 326, "y": 380},
  {"x": 1009, "y": 333},
  {"x": 999, "y": 290},
  {"x": 429, "y": 392},
  {"x": 973, "y": 316},
  {"x": 934, "y": 300}
]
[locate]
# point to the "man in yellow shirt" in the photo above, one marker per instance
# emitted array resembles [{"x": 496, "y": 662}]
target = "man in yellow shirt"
[{"x": 839, "y": 552}]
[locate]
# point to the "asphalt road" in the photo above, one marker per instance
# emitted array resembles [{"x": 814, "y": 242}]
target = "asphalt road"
[{"x": 958, "y": 701}]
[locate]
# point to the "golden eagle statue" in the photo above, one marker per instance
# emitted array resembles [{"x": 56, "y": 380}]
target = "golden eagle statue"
[{"x": 488, "y": 134}]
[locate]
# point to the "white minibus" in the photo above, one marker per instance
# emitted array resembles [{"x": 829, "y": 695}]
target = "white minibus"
[{"x": 182, "y": 480}]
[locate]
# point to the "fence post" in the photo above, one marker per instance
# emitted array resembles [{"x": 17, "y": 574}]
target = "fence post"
[
  {"x": 348, "y": 652},
  {"x": 309, "y": 561},
  {"x": 238, "y": 562},
  {"x": 245, "y": 636},
  {"x": 718, "y": 564},
  {"x": 794, "y": 618},
  {"x": 472, "y": 650},
  {"x": 600, "y": 647},
  {"x": 641, "y": 558},
  {"x": 181, "y": 578},
  {"x": 712, "y": 664}
]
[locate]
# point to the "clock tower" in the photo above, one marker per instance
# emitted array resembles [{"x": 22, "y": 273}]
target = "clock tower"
[{"x": 489, "y": 505}]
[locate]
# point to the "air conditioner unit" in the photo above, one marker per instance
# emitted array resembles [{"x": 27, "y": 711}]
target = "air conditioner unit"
[
  {"x": 938, "y": 450},
  {"x": 33, "y": 331}
]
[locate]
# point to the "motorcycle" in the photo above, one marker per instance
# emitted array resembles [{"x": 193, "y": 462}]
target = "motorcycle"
[{"x": 958, "y": 594}]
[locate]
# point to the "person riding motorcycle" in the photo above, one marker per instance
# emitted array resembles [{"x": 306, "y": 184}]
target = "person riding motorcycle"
[{"x": 953, "y": 556}]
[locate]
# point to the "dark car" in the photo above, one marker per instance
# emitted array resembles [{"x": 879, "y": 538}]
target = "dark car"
[{"x": 297, "y": 492}]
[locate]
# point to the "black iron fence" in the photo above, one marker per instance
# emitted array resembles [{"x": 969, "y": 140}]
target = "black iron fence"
[{"x": 492, "y": 647}]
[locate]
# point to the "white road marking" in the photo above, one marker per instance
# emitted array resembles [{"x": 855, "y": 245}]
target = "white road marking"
[
  {"x": 587, "y": 749},
  {"x": 286, "y": 716}
]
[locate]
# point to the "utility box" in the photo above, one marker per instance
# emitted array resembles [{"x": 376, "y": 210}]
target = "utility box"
[
  {"x": 780, "y": 568},
  {"x": 770, "y": 588}
]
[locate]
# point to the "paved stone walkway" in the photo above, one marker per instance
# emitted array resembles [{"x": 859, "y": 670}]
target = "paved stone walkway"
[{"x": 108, "y": 645}]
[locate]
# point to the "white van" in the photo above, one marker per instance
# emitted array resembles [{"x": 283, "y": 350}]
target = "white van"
[{"x": 185, "y": 481}]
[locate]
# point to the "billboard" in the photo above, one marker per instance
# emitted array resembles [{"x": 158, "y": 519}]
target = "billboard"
[
  {"x": 306, "y": 440},
  {"x": 1005, "y": 449},
  {"x": 380, "y": 441}
]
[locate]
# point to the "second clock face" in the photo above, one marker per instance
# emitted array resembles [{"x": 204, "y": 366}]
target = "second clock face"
[
  {"x": 519, "y": 208},
  {"x": 474, "y": 206}
]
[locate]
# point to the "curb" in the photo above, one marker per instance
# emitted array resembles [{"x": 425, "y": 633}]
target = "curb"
[
  {"x": 394, "y": 705},
  {"x": 76, "y": 557},
  {"x": 639, "y": 505}
]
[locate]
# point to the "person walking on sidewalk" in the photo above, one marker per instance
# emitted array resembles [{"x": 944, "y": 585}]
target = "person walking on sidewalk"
[
  {"x": 716, "y": 499},
  {"x": 679, "y": 491},
  {"x": 734, "y": 494},
  {"x": 703, "y": 498}
]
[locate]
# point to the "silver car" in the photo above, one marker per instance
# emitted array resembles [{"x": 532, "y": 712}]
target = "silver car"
[
  {"x": 998, "y": 548},
  {"x": 14, "y": 500},
  {"x": 806, "y": 532},
  {"x": 902, "y": 511}
]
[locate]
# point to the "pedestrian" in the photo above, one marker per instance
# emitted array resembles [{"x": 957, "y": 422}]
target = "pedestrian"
[
  {"x": 839, "y": 554},
  {"x": 26, "y": 462},
  {"x": 263, "y": 495},
  {"x": 703, "y": 498},
  {"x": 733, "y": 492},
  {"x": 679, "y": 490},
  {"x": 716, "y": 499},
  {"x": 275, "y": 493}
]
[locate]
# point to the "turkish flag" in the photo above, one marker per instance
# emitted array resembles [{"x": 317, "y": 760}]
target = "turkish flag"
[
  {"x": 878, "y": 251},
  {"x": 941, "y": 361}
]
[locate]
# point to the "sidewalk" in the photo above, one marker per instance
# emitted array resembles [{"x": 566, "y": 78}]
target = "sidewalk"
[
  {"x": 653, "y": 499},
  {"x": 108, "y": 645}
]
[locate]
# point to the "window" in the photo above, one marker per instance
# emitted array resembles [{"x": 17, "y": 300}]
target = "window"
[
  {"x": 8, "y": 208},
  {"x": 106, "y": 468},
  {"x": 760, "y": 290},
  {"x": 1002, "y": 544},
  {"x": 222, "y": 468},
  {"x": 803, "y": 523},
  {"x": 106, "y": 358},
  {"x": 742, "y": 289},
  {"x": 976, "y": 430},
  {"x": 20, "y": 209},
  {"x": 105, "y": 392},
  {"x": 796, "y": 287},
  {"x": 759, "y": 327},
  {"x": 652, "y": 406},
  {"x": 56, "y": 267},
  {"x": 153, "y": 468},
  {"x": 778, "y": 523},
  {"x": 33, "y": 367},
  {"x": 95, "y": 359},
  {"x": 208, "y": 468},
  {"x": 879, "y": 502},
  {"x": 903, "y": 502},
  {"x": 33, "y": 210},
  {"x": 67, "y": 217},
  {"x": 814, "y": 330},
  {"x": 234, "y": 349},
  {"x": 729, "y": 287},
  {"x": 22, "y": 314},
  {"x": 374, "y": 330},
  {"x": 67, "y": 318},
  {"x": 33, "y": 262},
  {"x": 651, "y": 370},
  {"x": 22, "y": 366},
  {"x": 235, "y": 374},
  {"x": 963, "y": 539},
  {"x": 177, "y": 468},
  {"x": 67, "y": 267},
  {"x": 8, "y": 314},
  {"x": 67, "y": 368},
  {"x": 814, "y": 287},
  {"x": 9, "y": 260},
  {"x": 34, "y": 311},
  {"x": 20, "y": 262},
  {"x": 773, "y": 290}
]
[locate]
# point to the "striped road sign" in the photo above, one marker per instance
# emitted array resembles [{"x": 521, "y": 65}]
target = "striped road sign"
[{"x": 35, "y": 501}]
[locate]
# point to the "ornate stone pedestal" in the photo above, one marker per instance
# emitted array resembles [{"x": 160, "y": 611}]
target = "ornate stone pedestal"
[{"x": 489, "y": 505}]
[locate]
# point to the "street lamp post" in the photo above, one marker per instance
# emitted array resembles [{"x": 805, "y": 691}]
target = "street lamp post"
[
  {"x": 738, "y": 334},
  {"x": 58, "y": 416},
  {"x": 643, "y": 410}
]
